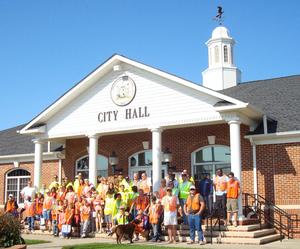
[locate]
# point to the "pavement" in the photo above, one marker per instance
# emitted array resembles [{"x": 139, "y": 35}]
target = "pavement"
[{"x": 58, "y": 243}]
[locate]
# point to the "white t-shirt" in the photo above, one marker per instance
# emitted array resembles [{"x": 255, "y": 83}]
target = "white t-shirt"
[{"x": 29, "y": 191}]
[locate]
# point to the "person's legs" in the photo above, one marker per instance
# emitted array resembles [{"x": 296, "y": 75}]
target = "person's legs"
[
  {"x": 182, "y": 203},
  {"x": 198, "y": 226},
  {"x": 154, "y": 228},
  {"x": 224, "y": 201},
  {"x": 169, "y": 233},
  {"x": 174, "y": 232},
  {"x": 192, "y": 227}
]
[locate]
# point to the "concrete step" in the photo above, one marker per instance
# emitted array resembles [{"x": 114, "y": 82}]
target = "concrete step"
[
  {"x": 232, "y": 240},
  {"x": 238, "y": 234},
  {"x": 244, "y": 228}
]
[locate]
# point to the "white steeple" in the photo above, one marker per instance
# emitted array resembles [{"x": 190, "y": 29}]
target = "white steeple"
[{"x": 221, "y": 72}]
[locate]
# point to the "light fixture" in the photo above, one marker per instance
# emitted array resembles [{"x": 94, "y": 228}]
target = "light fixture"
[
  {"x": 113, "y": 161},
  {"x": 167, "y": 156},
  {"x": 211, "y": 139},
  {"x": 145, "y": 145}
]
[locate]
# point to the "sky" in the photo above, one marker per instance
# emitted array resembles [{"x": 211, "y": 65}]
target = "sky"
[{"x": 48, "y": 46}]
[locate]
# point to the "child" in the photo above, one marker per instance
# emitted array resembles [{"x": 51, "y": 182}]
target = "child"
[
  {"x": 30, "y": 211},
  {"x": 68, "y": 220},
  {"x": 77, "y": 221},
  {"x": 85, "y": 212},
  {"x": 108, "y": 208},
  {"x": 47, "y": 205},
  {"x": 155, "y": 212},
  {"x": 98, "y": 209},
  {"x": 54, "y": 216}
]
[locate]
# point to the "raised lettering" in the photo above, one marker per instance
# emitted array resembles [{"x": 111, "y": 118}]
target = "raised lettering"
[
  {"x": 128, "y": 114},
  {"x": 115, "y": 115}
]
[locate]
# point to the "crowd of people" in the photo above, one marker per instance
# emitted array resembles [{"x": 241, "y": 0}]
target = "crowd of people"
[{"x": 68, "y": 208}]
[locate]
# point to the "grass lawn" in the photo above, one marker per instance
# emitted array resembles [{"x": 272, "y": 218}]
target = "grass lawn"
[
  {"x": 115, "y": 246},
  {"x": 35, "y": 241}
]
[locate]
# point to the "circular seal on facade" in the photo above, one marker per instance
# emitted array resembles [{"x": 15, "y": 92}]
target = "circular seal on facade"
[{"x": 123, "y": 91}]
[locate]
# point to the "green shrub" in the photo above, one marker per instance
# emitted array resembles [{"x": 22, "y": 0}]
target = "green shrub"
[{"x": 10, "y": 231}]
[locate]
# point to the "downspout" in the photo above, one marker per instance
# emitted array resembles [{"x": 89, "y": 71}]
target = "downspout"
[{"x": 255, "y": 189}]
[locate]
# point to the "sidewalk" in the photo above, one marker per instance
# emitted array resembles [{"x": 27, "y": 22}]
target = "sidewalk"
[{"x": 59, "y": 243}]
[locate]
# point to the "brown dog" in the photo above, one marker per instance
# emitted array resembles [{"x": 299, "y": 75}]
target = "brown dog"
[{"x": 125, "y": 231}]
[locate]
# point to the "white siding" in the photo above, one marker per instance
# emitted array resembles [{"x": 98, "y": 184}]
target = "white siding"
[{"x": 168, "y": 103}]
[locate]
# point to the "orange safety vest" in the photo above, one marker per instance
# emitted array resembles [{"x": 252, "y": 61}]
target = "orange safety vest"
[
  {"x": 30, "y": 208},
  {"x": 47, "y": 202},
  {"x": 220, "y": 182},
  {"x": 193, "y": 203},
  {"x": 69, "y": 215},
  {"x": 162, "y": 192},
  {"x": 170, "y": 204},
  {"x": 10, "y": 206},
  {"x": 233, "y": 189},
  {"x": 154, "y": 213}
]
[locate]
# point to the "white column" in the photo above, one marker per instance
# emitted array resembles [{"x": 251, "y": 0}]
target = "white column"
[
  {"x": 93, "y": 151},
  {"x": 156, "y": 158},
  {"x": 255, "y": 191},
  {"x": 38, "y": 160},
  {"x": 235, "y": 151}
]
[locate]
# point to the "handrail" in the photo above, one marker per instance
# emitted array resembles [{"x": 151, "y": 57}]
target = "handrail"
[
  {"x": 279, "y": 219},
  {"x": 209, "y": 219}
]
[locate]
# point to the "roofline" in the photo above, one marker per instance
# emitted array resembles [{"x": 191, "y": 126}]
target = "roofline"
[
  {"x": 275, "y": 78},
  {"x": 124, "y": 59},
  {"x": 271, "y": 135},
  {"x": 28, "y": 157}
]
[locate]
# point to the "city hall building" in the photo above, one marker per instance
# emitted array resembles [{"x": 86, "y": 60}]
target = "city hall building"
[{"x": 129, "y": 117}]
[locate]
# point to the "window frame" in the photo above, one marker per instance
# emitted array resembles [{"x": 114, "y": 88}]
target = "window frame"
[{"x": 17, "y": 198}]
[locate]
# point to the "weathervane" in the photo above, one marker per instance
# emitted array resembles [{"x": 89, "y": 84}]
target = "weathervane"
[{"x": 219, "y": 17}]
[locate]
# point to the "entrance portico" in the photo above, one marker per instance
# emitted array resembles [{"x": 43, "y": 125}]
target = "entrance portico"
[{"x": 117, "y": 102}]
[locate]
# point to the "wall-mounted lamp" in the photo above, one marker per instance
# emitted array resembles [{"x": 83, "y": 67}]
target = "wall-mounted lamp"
[
  {"x": 211, "y": 140},
  {"x": 113, "y": 161},
  {"x": 145, "y": 145}
]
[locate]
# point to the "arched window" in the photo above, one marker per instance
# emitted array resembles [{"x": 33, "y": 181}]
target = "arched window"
[
  {"x": 82, "y": 166},
  {"x": 208, "y": 159},
  {"x": 217, "y": 56},
  {"x": 16, "y": 180},
  {"x": 225, "y": 53},
  {"x": 141, "y": 162}
]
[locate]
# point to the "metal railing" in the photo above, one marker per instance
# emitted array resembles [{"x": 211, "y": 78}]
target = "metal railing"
[{"x": 268, "y": 213}]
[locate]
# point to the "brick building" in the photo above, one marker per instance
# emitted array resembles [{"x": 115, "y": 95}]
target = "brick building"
[{"x": 128, "y": 116}]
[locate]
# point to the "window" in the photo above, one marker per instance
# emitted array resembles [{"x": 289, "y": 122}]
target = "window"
[
  {"x": 82, "y": 166},
  {"x": 141, "y": 162},
  {"x": 225, "y": 53},
  {"x": 209, "y": 159},
  {"x": 16, "y": 180},
  {"x": 217, "y": 54}
]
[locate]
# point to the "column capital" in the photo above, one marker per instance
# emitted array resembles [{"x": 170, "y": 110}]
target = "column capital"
[
  {"x": 93, "y": 135},
  {"x": 38, "y": 141},
  {"x": 234, "y": 121},
  {"x": 156, "y": 129}
]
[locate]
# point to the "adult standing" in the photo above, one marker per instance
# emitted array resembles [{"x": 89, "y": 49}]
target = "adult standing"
[
  {"x": 233, "y": 191},
  {"x": 220, "y": 185},
  {"x": 170, "y": 203},
  {"x": 184, "y": 189},
  {"x": 29, "y": 191},
  {"x": 194, "y": 208},
  {"x": 206, "y": 190},
  {"x": 145, "y": 184},
  {"x": 54, "y": 183}
]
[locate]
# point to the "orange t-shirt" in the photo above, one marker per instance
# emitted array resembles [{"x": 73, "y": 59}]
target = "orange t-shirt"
[
  {"x": 85, "y": 213},
  {"x": 233, "y": 187},
  {"x": 69, "y": 213},
  {"x": 47, "y": 202}
]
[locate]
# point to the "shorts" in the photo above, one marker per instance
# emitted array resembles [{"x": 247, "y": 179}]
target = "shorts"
[
  {"x": 232, "y": 205},
  {"x": 170, "y": 218},
  {"x": 46, "y": 214},
  {"x": 107, "y": 218}
]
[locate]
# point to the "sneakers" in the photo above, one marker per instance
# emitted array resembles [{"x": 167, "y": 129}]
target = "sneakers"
[
  {"x": 191, "y": 242},
  {"x": 136, "y": 239},
  {"x": 234, "y": 223},
  {"x": 202, "y": 242}
]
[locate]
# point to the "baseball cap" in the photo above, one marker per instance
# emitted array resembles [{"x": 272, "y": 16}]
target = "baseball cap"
[
  {"x": 10, "y": 195},
  {"x": 192, "y": 187}
]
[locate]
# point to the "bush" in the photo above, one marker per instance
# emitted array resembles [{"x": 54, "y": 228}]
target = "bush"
[{"x": 10, "y": 231}]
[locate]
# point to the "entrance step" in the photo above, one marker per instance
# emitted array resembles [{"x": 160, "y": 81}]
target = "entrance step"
[
  {"x": 237, "y": 234},
  {"x": 233, "y": 240}
]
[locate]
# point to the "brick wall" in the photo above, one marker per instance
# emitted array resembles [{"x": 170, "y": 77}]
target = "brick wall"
[
  {"x": 49, "y": 168},
  {"x": 278, "y": 169}
]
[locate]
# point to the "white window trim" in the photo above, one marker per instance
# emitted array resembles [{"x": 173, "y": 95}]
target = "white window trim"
[
  {"x": 18, "y": 183},
  {"x": 78, "y": 171}
]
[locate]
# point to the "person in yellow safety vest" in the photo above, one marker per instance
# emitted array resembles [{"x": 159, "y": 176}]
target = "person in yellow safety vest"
[
  {"x": 121, "y": 217},
  {"x": 191, "y": 179},
  {"x": 118, "y": 202},
  {"x": 126, "y": 182},
  {"x": 184, "y": 191},
  {"x": 124, "y": 194},
  {"x": 77, "y": 182},
  {"x": 108, "y": 209},
  {"x": 54, "y": 183}
]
